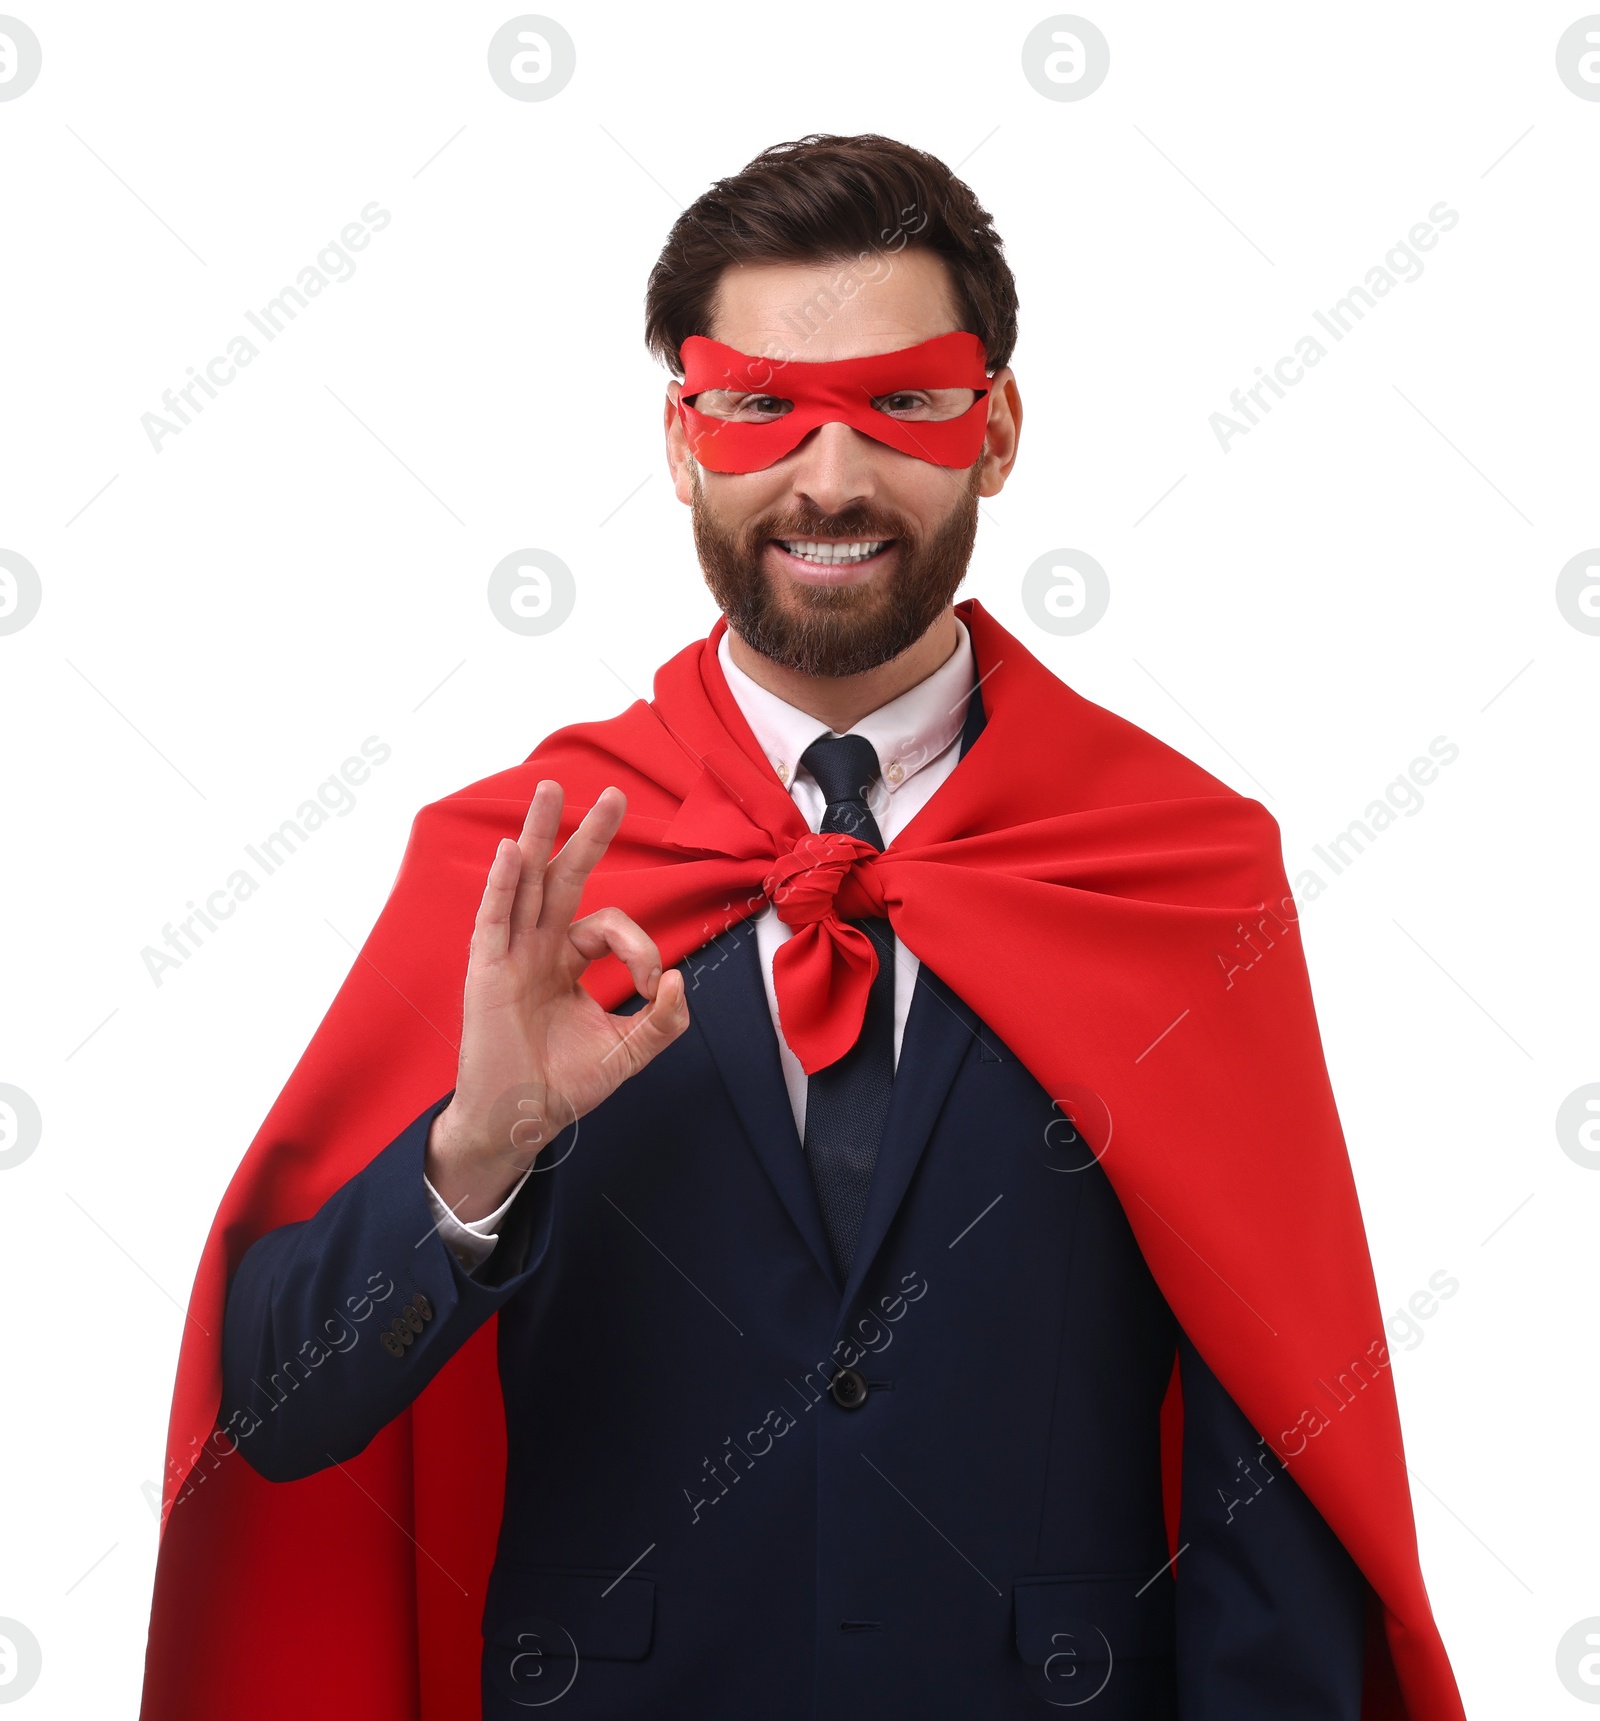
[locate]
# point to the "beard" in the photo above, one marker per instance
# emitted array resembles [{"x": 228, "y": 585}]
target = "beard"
[{"x": 844, "y": 629}]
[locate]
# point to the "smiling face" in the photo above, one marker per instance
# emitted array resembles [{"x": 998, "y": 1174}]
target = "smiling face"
[{"x": 844, "y": 552}]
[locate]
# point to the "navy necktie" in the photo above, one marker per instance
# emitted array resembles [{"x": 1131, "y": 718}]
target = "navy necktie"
[{"x": 848, "y": 1101}]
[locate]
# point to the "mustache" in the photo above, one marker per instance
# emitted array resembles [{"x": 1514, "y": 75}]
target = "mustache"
[{"x": 857, "y": 521}]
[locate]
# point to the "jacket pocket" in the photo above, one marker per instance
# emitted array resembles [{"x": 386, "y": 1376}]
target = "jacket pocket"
[{"x": 1094, "y": 1618}]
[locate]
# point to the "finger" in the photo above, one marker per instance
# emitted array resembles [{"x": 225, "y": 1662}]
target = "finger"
[
  {"x": 491, "y": 931},
  {"x": 610, "y": 929},
  {"x": 568, "y": 873},
  {"x": 654, "y": 1028},
  {"x": 538, "y": 838}
]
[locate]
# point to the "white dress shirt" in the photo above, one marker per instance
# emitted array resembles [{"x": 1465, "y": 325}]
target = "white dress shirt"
[{"x": 916, "y": 738}]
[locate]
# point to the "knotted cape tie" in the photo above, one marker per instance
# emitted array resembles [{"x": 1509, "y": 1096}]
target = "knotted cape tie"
[{"x": 824, "y": 973}]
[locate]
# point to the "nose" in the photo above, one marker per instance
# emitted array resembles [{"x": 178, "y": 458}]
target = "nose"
[{"x": 835, "y": 468}]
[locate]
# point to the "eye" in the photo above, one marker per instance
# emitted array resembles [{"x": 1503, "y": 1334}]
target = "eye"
[
  {"x": 741, "y": 408},
  {"x": 925, "y": 405}
]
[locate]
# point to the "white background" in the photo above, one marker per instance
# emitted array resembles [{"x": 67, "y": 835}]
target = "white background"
[{"x": 1373, "y": 566}]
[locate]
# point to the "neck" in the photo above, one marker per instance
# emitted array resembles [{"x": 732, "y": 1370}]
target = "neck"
[{"x": 841, "y": 701}]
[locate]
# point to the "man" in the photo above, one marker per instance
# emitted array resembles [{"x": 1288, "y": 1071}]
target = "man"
[{"x": 865, "y": 1233}]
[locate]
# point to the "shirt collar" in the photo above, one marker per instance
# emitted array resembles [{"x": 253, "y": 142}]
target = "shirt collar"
[{"x": 909, "y": 732}]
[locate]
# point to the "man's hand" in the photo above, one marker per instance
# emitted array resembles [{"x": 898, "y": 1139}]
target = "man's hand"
[{"x": 537, "y": 1052}]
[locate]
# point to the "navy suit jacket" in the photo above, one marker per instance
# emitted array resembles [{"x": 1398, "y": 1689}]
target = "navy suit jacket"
[{"x": 695, "y": 1527}]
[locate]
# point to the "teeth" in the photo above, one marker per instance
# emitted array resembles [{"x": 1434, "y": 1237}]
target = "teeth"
[{"x": 809, "y": 550}]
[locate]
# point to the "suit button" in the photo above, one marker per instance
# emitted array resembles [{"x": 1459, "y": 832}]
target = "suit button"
[
  {"x": 392, "y": 1345},
  {"x": 848, "y": 1389},
  {"x": 423, "y": 1307}
]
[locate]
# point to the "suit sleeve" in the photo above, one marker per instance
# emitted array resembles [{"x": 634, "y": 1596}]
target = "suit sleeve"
[
  {"x": 335, "y": 1324},
  {"x": 1270, "y": 1606}
]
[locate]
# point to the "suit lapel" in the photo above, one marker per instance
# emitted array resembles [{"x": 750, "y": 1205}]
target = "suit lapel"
[
  {"x": 728, "y": 1004},
  {"x": 940, "y": 1029}
]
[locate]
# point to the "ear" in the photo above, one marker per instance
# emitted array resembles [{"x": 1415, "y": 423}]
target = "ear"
[
  {"x": 679, "y": 460},
  {"x": 1003, "y": 433}
]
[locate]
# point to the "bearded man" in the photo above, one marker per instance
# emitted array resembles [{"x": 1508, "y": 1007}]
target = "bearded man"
[{"x": 821, "y": 1195}]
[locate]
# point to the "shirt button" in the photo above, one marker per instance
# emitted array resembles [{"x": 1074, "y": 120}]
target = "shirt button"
[
  {"x": 895, "y": 772},
  {"x": 848, "y": 1389},
  {"x": 782, "y": 770}
]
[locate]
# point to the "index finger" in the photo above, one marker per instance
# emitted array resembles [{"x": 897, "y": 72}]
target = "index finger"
[{"x": 568, "y": 873}]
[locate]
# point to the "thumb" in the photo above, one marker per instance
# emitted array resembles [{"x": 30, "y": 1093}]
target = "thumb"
[{"x": 651, "y": 1030}]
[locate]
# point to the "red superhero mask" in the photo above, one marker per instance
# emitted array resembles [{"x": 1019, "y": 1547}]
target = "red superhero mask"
[{"x": 799, "y": 397}]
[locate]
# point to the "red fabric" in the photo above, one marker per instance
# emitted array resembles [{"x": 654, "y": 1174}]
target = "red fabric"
[
  {"x": 1118, "y": 916},
  {"x": 837, "y": 390}
]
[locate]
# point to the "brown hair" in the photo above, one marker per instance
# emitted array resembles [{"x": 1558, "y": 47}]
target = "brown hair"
[{"x": 825, "y": 197}]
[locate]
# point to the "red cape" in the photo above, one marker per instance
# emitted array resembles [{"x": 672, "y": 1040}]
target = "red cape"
[{"x": 1066, "y": 842}]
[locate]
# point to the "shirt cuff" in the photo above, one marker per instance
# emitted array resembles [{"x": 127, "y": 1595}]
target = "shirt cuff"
[{"x": 471, "y": 1242}]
